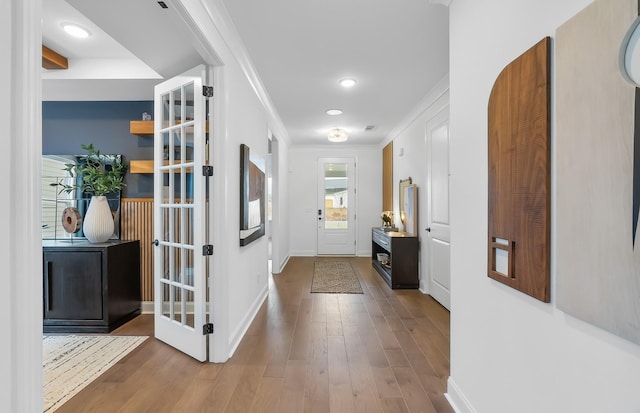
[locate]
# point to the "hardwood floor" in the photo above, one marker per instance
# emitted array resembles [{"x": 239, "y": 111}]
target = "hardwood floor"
[{"x": 381, "y": 351}]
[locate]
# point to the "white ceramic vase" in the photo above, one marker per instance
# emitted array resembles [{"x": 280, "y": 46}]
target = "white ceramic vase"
[{"x": 97, "y": 224}]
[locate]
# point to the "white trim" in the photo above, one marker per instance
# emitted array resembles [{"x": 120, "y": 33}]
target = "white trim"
[
  {"x": 434, "y": 94},
  {"x": 284, "y": 264},
  {"x": 239, "y": 333},
  {"x": 445, "y": 3},
  {"x": 457, "y": 399},
  {"x": 22, "y": 277},
  {"x": 303, "y": 253},
  {"x": 146, "y": 307},
  {"x": 220, "y": 226},
  {"x": 221, "y": 19}
]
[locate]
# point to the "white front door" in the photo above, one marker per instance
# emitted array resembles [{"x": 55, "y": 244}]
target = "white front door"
[
  {"x": 179, "y": 213},
  {"x": 438, "y": 230},
  {"x": 336, "y": 206}
]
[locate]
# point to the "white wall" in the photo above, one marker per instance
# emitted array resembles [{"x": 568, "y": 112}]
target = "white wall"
[
  {"x": 509, "y": 352},
  {"x": 410, "y": 140},
  {"x": 242, "y": 115},
  {"x": 280, "y": 252},
  {"x": 303, "y": 195}
]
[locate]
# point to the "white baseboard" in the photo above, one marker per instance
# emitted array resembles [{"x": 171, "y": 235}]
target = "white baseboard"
[
  {"x": 147, "y": 307},
  {"x": 457, "y": 399},
  {"x": 303, "y": 253},
  {"x": 284, "y": 264},
  {"x": 239, "y": 333}
]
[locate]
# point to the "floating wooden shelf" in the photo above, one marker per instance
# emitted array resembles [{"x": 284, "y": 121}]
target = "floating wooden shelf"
[
  {"x": 145, "y": 167},
  {"x": 141, "y": 127},
  {"x": 145, "y": 127},
  {"x": 141, "y": 167}
]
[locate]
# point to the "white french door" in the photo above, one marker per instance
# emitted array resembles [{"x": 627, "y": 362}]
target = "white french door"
[
  {"x": 180, "y": 214},
  {"x": 336, "y": 206},
  {"x": 438, "y": 223}
]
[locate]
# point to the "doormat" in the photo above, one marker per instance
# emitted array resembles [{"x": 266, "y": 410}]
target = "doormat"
[
  {"x": 336, "y": 277},
  {"x": 72, "y": 362}
]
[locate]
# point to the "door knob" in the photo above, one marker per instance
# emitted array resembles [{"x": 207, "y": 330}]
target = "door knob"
[{"x": 428, "y": 229}]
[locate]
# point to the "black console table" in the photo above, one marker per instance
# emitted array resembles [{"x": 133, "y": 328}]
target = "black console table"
[
  {"x": 402, "y": 269},
  {"x": 90, "y": 288}
]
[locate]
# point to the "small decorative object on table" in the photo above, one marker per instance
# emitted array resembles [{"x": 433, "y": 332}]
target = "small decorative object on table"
[
  {"x": 387, "y": 221},
  {"x": 146, "y": 116},
  {"x": 71, "y": 220}
]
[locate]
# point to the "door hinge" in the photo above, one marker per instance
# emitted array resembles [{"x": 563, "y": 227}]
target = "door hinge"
[
  {"x": 207, "y": 249},
  {"x": 207, "y": 91},
  {"x": 207, "y": 329},
  {"x": 207, "y": 170}
]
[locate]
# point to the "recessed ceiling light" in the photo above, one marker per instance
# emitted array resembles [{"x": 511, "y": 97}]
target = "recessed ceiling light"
[
  {"x": 347, "y": 82},
  {"x": 334, "y": 112},
  {"x": 338, "y": 135},
  {"x": 75, "y": 30}
]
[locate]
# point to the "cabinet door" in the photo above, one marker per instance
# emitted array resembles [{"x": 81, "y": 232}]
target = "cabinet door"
[{"x": 73, "y": 285}]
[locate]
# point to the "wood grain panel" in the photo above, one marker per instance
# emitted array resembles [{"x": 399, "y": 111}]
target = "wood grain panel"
[
  {"x": 387, "y": 177},
  {"x": 52, "y": 60},
  {"x": 519, "y": 172},
  {"x": 137, "y": 224}
]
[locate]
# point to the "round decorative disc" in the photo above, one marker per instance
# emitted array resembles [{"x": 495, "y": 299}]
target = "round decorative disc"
[{"x": 71, "y": 220}]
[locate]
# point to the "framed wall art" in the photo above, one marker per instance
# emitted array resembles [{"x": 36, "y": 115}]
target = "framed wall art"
[{"x": 252, "y": 196}]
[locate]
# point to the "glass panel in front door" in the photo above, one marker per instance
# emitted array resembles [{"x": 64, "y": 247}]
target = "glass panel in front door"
[{"x": 336, "y": 199}]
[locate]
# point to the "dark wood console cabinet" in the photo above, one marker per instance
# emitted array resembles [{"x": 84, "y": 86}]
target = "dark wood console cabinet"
[
  {"x": 90, "y": 288},
  {"x": 402, "y": 271}
]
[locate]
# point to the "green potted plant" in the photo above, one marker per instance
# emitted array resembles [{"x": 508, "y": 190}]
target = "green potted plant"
[{"x": 97, "y": 175}]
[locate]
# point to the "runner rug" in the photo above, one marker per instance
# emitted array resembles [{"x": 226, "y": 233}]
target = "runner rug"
[
  {"x": 335, "y": 277},
  {"x": 72, "y": 362}
]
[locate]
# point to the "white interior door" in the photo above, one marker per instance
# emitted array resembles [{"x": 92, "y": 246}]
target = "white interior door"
[
  {"x": 336, "y": 206},
  {"x": 438, "y": 225},
  {"x": 179, "y": 213}
]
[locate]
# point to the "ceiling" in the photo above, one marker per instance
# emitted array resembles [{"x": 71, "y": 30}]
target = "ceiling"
[{"x": 397, "y": 52}]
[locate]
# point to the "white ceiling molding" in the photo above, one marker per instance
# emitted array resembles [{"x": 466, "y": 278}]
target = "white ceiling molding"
[
  {"x": 439, "y": 90},
  {"x": 445, "y": 3},
  {"x": 221, "y": 20}
]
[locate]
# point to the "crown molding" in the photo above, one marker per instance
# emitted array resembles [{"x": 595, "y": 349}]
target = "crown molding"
[
  {"x": 439, "y": 90},
  {"x": 225, "y": 34}
]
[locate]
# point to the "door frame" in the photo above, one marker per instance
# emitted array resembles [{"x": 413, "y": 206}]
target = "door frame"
[
  {"x": 182, "y": 336},
  {"x": 351, "y": 160},
  {"x": 439, "y": 116},
  {"x": 22, "y": 349}
]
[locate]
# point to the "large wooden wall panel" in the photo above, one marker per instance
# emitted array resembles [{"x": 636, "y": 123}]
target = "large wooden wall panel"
[{"x": 519, "y": 173}]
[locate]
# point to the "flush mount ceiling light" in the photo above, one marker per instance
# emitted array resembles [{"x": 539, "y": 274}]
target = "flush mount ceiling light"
[
  {"x": 74, "y": 30},
  {"x": 347, "y": 83},
  {"x": 337, "y": 135},
  {"x": 334, "y": 112}
]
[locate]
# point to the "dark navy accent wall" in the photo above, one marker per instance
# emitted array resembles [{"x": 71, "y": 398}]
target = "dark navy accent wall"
[{"x": 67, "y": 125}]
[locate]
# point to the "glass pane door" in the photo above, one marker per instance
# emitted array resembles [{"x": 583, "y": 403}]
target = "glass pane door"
[
  {"x": 180, "y": 287},
  {"x": 336, "y": 206}
]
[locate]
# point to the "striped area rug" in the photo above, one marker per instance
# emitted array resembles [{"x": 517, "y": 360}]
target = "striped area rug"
[{"x": 72, "y": 362}]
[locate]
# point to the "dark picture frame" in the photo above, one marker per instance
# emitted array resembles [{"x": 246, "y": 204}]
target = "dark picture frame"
[{"x": 252, "y": 199}]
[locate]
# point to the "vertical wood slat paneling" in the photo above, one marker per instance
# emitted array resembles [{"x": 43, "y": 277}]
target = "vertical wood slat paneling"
[
  {"x": 137, "y": 224},
  {"x": 387, "y": 177}
]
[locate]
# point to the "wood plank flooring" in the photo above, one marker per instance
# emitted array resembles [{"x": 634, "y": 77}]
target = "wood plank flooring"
[{"x": 382, "y": 351}]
